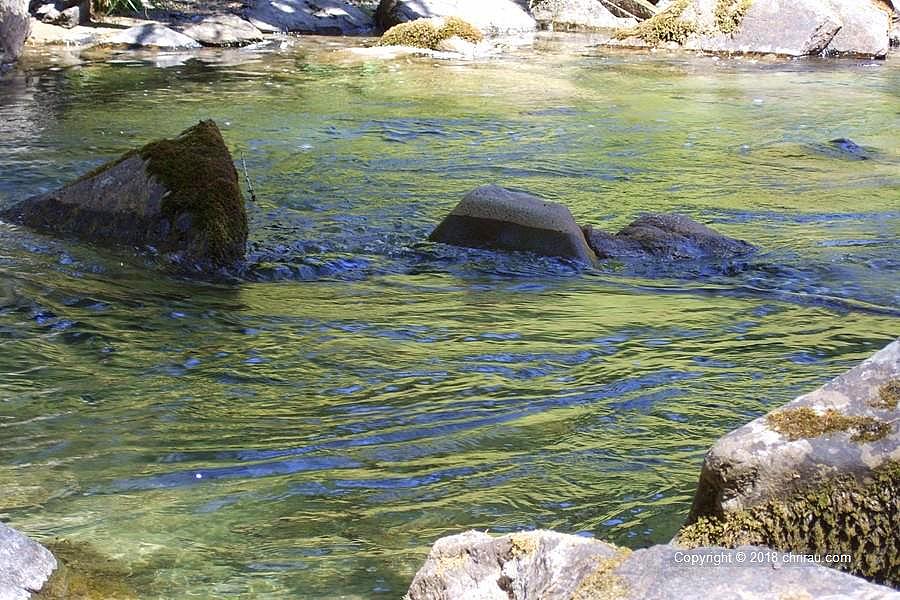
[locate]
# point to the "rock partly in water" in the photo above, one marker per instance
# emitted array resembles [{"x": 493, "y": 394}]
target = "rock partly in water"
[
  {"x": 589, "y": 15},
  {"x": 800, "y": 28},
  {"x": 864, "y": 29},
  {"x": 152, "y": 35},
  {"x": 223, "y": 30},
  {"x": 322, "y": 17},
  {"x": 500, "y": 219},
  {"x": 492, "y": 17},
  {"x": 15, "y": 25},
  {"x": 179, "y": 196},
  {"x": 430, "y": 33},
  {"x": 820, "y": 475},
  {"x": 666, "y": 236},
  {"x": 546, "y": 565},
  {"x": 25, "y": 565}
]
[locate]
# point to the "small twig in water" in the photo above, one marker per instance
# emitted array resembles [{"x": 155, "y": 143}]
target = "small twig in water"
[{"x": 247, "y": 177}]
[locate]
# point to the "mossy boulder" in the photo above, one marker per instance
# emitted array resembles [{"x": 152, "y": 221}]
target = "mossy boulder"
[
  {"x": 429, "y": 33},
  {"x": 180, "y": 197},
  {"x": 819, "y": 475},
  {"x": 547, "y": 565},
  {"x": 491, "y": 17}
]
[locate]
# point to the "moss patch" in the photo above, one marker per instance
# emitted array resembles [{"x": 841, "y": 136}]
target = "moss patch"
[
  {"x": 198, "y": 169},
  {"x": 841, "y": 516},
  {"x": 85, "y": 574},
  {"x": 665, "y": 26},
  {"x": 730, "y": 13},
  {"x": 603, "y": 583},
  {"x": 804, "y": 422},
  {"x": 888, "y": 396},
  {"x": 429, "y": 33}
]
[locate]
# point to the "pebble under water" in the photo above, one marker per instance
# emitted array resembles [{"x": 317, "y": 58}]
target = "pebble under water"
[{"x": 308, "y": 426}]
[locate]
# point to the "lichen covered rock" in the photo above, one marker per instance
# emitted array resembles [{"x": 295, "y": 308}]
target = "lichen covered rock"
[
  {"x": 819, "y": 475},
  {"x": 547, "y": 565},
  {"x": 500, "y": 219},
  {"x": 179, "y": 196}
]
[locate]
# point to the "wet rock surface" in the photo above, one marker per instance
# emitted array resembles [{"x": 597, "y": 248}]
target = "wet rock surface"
[
  {"x": 554, "y": 566},
  {"x": 588, "y": 15},
  {"x": 820, "y": 474},
  {"x": 497, "y": 218},
  {"x": 179, "y": 197},
  {"x": 666, "y": 236},
  {"x": 25, "y": 565}
]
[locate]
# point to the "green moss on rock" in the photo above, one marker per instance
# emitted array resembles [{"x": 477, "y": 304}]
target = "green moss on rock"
[
  {"x": 804, "y": 422},
  {"x": 85, "y": 574},
  {"x": 429, "y": 33},
  {"x": 844, "y": 515},
  {"x": 198, "y": 170},
  {"x": 730, "y": 13},
  {"x": 665, "y": 26}
]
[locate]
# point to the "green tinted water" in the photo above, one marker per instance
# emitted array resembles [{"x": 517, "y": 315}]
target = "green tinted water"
[{"x": 309, "y": 430}]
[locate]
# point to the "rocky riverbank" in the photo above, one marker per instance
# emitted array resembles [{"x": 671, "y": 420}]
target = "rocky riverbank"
[
  {"x": 833, "y": 28},
  {"x": 811, "y": 485}
]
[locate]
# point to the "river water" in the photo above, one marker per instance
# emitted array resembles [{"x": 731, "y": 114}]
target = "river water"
[{"x": 309, "y": 428}]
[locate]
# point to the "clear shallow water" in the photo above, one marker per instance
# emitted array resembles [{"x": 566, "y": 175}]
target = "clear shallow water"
[{"x": 310, "y": 428}]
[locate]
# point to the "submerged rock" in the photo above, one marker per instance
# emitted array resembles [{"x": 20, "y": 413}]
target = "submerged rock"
[
  {"x": 497, "y": 218},
  {"x": 820, "y": 475},
  {"x": 546, "y": 565},
  {"x": 669, "y": 237},
  {"x": 493, "y": 17},
  {"x": 323, "y": 17},
  {"x": 799, "y": 28},
  {"x": 152, "y": 35},
  {"x": 223, "y": 30},
  {"x": 179, "y": 196},
  {"x": 15, "y": 25},
  {"x": 25, "y": 565}
]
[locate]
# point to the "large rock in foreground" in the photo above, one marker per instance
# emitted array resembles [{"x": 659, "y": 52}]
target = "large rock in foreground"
[
  {"x": 25, "y": 565},
  {"x": 322, "y": 17},
  {"x": 545, "y": 565},
  {"x": 179, "y": 196},
  {"x": 492, "y": 17},
  {"x": 819, "y": 475},
  {"x": 500, "y": 219},
  {"x": 798, "y": 28},
  {"x": 15, "y": 25}
]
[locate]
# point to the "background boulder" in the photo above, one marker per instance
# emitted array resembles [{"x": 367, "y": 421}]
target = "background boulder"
[
  {"x": 323, "y": 17},
  {"x": 15, "y": 25},
  {"x": 492, "y": 17}
]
